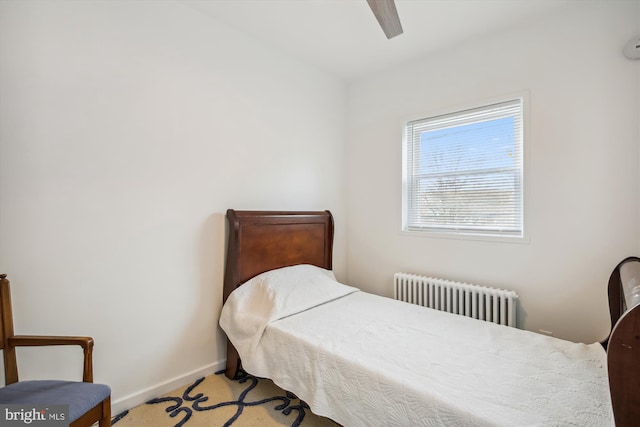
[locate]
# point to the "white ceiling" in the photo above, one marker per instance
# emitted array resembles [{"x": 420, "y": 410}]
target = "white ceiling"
[{"x": 342, "y": 37}]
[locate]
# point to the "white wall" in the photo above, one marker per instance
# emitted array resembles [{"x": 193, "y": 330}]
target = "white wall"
[
  {"x": 126, "y": 131},
  {"x": 637, "y": 34},
  {"x": 583, "y": 182}
]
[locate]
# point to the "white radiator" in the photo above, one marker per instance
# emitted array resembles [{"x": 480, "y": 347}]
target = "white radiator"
[{"x": 480, "y": 302}]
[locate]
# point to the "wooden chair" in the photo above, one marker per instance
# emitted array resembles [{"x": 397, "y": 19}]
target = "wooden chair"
[
  {"x": 623, "y": 345},
  {"x": 88, "y": 402}
]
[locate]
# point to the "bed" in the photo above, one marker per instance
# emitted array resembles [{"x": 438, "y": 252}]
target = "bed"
[{"x": 365, "y": 360}]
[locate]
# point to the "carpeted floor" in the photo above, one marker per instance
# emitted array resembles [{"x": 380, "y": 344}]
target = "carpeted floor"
[{"x": 218, "y": 401}]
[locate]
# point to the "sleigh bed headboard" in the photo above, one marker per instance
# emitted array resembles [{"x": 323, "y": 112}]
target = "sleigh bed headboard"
[
  {"x": 623, "y": 345},
  {"x": 260, "y": 241}
]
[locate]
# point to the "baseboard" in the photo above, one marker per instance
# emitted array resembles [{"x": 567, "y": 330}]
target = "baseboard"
[{"x": 135, "y": 399}]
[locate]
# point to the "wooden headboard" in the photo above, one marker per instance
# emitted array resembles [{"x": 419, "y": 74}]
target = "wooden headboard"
[
  {"x": 623, "y": 344},
  {"x": 260, "y": 241}
]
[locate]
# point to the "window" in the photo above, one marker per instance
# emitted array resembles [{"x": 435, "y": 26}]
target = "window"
[{"x": 463, "y": 172}]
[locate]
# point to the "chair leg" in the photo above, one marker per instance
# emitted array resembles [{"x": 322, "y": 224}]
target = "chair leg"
[{"x": 105, "y": 421}]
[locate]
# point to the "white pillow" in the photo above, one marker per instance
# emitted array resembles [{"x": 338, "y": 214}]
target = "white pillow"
[{"x": 274, "y": 295}]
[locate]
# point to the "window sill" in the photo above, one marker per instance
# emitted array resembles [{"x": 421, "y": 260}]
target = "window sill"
[{"x": 468, "y": 236}]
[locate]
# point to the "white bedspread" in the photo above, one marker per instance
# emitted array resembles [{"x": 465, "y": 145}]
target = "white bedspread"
[{"x": 365, "y": 360}]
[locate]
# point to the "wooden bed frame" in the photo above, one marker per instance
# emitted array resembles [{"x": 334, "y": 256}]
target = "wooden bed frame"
[{"x": 260, "y": 241}]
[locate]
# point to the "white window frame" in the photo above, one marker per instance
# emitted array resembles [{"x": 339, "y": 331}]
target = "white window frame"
[{"x": 452, "y": 231}]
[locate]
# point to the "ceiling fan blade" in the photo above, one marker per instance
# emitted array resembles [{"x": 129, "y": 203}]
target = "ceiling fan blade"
[{"x": 387, "y": 16}]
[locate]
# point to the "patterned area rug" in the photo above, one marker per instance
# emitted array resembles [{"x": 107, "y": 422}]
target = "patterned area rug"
[{"x": 218, "y": 401}]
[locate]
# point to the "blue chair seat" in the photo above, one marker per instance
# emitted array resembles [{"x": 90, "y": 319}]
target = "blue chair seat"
[{"x": 80, "y": 396}]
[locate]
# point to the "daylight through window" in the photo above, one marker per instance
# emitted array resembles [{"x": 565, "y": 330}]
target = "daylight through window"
[{"x": 463, "y": 172}]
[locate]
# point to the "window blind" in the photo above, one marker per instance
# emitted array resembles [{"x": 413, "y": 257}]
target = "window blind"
[{"x": 463, "y": 171}]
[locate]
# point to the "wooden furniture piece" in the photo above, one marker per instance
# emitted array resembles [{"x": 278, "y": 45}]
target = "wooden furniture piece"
[
  {"x": 88, "y": 403},
  {"x": 623, "y": 344},
  {"x": 260, "y": 241},
  {"x": 263, "y": 241}
]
